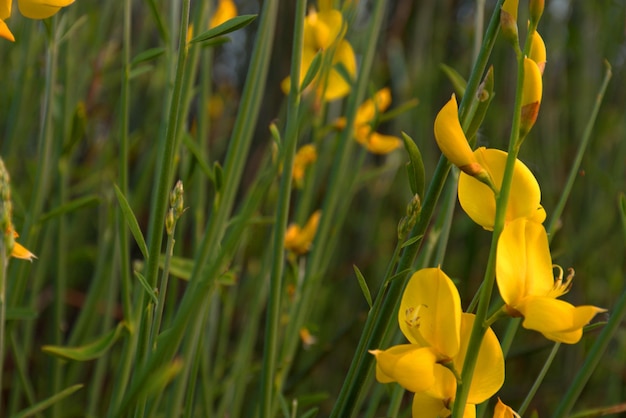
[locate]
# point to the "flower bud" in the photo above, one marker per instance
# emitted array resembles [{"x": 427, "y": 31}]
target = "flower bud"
[
  {"x": 531, "y": 96},
  {"x": 508, "y": 20},
  {"x": 452, "y": 141},
  {"x": 536, "y": 10},
  {"x": 537, "y": 51}
]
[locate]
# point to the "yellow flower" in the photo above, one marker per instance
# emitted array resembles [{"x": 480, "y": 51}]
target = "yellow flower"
[
  {"x": 305, "y": 156},
  {"x": 299, "y": 240},
  {"x": 32, "y": 9},
  {"x": 430, "y": 318},
  {"x": 323, "y": 33},
  {"x": 525, "y": 277},
  {"x": 20, "y": 251},
  {"x": 366, "y": 118},
  {"x": 452, "y": 141},
  {"x": 479, "y": 202},
  {"x": 226, "y": 10},
  {"x": 504, "y": 411}
]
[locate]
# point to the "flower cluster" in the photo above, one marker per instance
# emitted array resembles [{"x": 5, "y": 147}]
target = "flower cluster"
[{"x": 430, "y": 317}]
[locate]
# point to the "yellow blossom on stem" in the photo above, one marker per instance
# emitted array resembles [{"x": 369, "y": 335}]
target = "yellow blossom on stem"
[
  {"x": 19, "y": 251},
  {"x": 479, "y": 201},
  {"x": 525, "y": 277},
  {"x": 452, "y": 141},
  {"x": 430, "y": 318},
  {"x": 306, "y": 155},
  {"x": 365, "y": 120},
  {"x": 226, "y": 10},
  {"x": 323, "y": 33},
  {"x": 504, "y": 411},
  {"x": 299, "y": 240}
]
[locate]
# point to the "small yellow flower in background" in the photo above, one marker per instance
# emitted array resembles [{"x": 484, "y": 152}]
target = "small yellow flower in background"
[
  {"x": 537, "y": 51},
  {"x": 307, "y": 338},
  {"x": 366, "y": 118},
  {"x": 226, "y": 10},
  {"x": 452, "y": 141},
  {"x": 479, "y": 202},
  {"x": 306, "y": 155},
  {"x": 525, "y": 277},
  {"x": 299, "y": 240},
  {"x": 504, "y": 411},
  {"x": 32, "y": 9},
  {"x": 430, "y": 318},
  {"x": 324, "y": 32},
  {"x": 19, "y": 251}
]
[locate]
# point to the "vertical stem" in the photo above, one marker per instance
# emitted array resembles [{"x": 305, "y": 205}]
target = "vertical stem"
[{"x": 282, "y": 211}]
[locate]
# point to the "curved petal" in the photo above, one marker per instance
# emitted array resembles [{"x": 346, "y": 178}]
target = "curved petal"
[
  {"x": 504, "y": 411},
  {"x": 537, "y": 51},
  {"x": 451, "y": 139},
  {"x": 408, "y": 364},
  {"x": 523, "y": 262},
  {"x": 478, "y": 200},
  {"x": 337, "y": 86},
  {"x": 41, "y": 9},
  {"x": 533, "y": 86},
  {"x": 557, "y": 320},
  {"x": 5, "y": 32},
  {"x": 489, "y": 372},
  {"x": 5, "y": 9},
  {"x": 425, "y": 406},
  {"x": 430, "y": 312},
  {"x": 382, "y": 144}
]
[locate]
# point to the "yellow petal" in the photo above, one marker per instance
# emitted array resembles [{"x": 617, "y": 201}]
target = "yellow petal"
[
  {"x": 451, "y": 139},
  {"x": 328, "y": 28},
  {"x": 5, "y": 32},
  {"x": 21, "y": 252},
  {"x": 409, "y": 365},
  {"x": 337, "y": 86},
  {"x": 478, "y": 200},
  {"x": 489, "y": 372},
  {"x": 226, "y": 10},
  {"x": 41, "y": 9},
  {"x": 371, "y": 107},
  {"x": 523, "y": 262},
  {"x": 511, "y": 6},
  {"x": 425, "y": 406},
  {"x": 531, "y": 96},
  {"x": 537, "y": 51},
  {"x": 382, "y": 144},
  {"x": 430, "y": 312},
  {"x": 504, "y": 411},
  {"x": 298, "y": 239},
  {"x": 5, "y": 9},
  {"x": 306, "y": 155},
  {"x": 556, "y": 319}
]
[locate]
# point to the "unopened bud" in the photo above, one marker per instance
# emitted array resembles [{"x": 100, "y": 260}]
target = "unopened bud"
[
  {"x": 177, "y": 199},
  {"x": 508, "y": 21},
  {"x": 170, "y": 221},
  {"x": 531, "y": 96},
  {"x": 536, "y": 10}
]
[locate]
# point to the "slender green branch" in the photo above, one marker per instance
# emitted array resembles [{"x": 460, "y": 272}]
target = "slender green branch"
[{"x": 272, "y": 321}]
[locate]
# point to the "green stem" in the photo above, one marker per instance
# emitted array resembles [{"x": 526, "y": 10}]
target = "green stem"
[
  {"x": 4, "y": 259},
  {"x": 539, "y": 379},
  {"x": 387, "y": 300},
  {"x": 210, "y": 253},
  {"x": 272, "y": 321}
]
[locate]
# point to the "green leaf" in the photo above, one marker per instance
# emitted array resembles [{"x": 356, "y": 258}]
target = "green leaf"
[
  {"x": 142, "y": 69},
  {"x": 622, "y": 212},
  {"x": 195, "y": 151},
  {"x": 147, "y": 55},
  {"x": 87, "y": 352},
  {"x": 149, "y": 290},
  {"x": 47, "y": 403},
  {"x": 70, "y": 207},
  {"x": 218, "y": 176},
  {"x": 411, "y": 241},
  {"x": 312, "y": 71},
  {"x": 363, "y": 285},
  {"x": 231, "y": 25},
  {"x": 182, "y": 268},
  {"x": 415, "y": 166},
  {"x": 457, "y": 80},
  {"x": 131, "y": 221}
]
